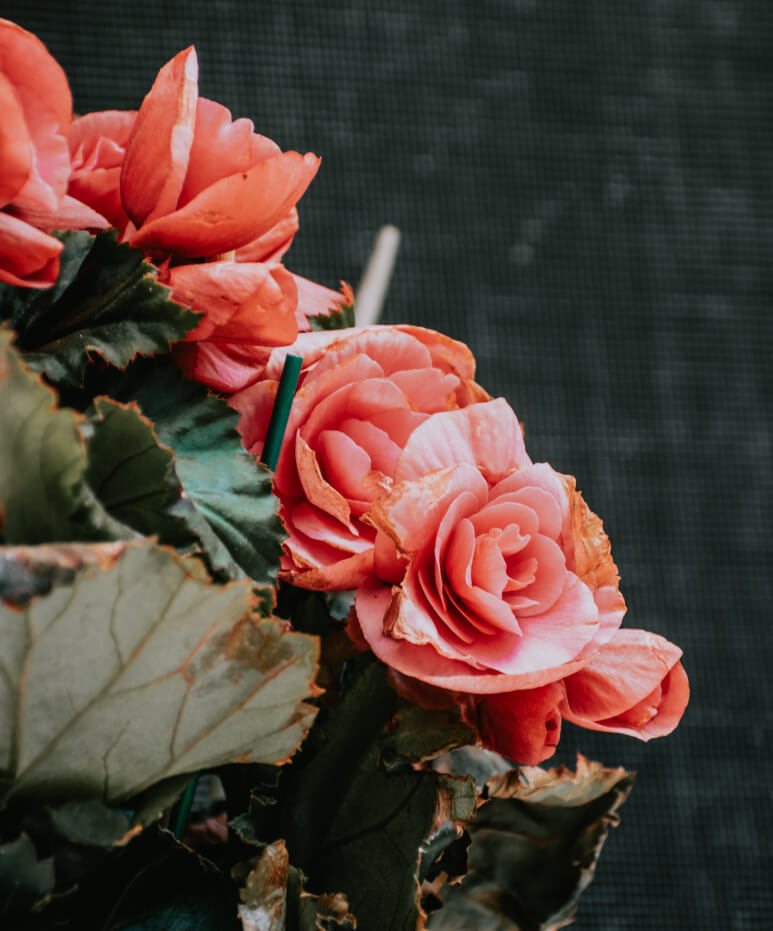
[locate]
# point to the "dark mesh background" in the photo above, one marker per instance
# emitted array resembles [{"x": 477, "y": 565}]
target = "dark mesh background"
[{"x": 585, "y": 195}]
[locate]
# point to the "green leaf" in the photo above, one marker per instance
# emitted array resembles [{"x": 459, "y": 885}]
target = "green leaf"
[
  {"x": 534, "y": 848},
  {"x": 107, "y": 300},
  {"x": 153, "y": 883},
  {"x": 76, "y": 837},
  {"x": 90, "y": 823},
  {"x": 335, "y": 320},
  {"x": 416, "y": 735},
  {"x": 143, "y": 671},
  {"x": 228, "y": 502},
  {"x": 350, "y": 824},
  {"x": 133, "y": 475},
  {"x": 44, "y": 495},
  {"x": 23, "y": 877}
]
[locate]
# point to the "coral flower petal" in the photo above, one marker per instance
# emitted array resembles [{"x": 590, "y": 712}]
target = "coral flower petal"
[
  {"x": 488, "y": 569},
  {"x": 255, "y": 404},
  {"x": 612, "y": 695},
  {"x": 317, "y": 525},
  {"x": 486, "y": 435},
  {"x": 457, "y": 568},
  {"x": 426, "y": 663},
  {"x": 314, "y": 300},
  {"x": 271, "y": 246},
  {"x": 413, "y": 511},
  {"x": 319, "y": 491},
  {"x": 221, "y": 147},
  {"x": 233, "y": 211},
  {"x": 344, "y": 464},
  {"x": 158, "y": 151},
  {"x": 226, "y": 367},
  {"x": 28, "y": 257},
  {"x": 242, "y": 301},
  {"x": 16, "y": 150},
  {"x": 342, "y": 575},
  {"x": 40, "y": 88},
  {"x": 392, "y": 348},
  {"x": 383, "y": 451},
  {"x": 541, "y": 594},
  {"x": 520, "y": 520},
  {"x": 429, "y": 390},
  {"x": 524, "y": 726}
]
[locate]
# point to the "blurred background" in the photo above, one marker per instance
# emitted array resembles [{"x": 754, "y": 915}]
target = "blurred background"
[{"x": 585, "y": 194}]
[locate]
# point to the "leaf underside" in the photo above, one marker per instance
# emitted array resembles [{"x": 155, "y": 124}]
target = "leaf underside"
[{"x": 140, "y": 672}]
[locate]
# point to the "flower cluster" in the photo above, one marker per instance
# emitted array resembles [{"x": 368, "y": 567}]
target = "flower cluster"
[
  {"x": 483, "y": 580},
  {"x": 210, "y": 201}
]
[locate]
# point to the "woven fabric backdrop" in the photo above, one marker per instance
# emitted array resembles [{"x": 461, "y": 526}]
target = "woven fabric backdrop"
[{"x": 585, "y": 192}]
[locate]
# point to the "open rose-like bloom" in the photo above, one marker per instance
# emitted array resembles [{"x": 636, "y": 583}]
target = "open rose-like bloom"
[
  {"x": 493, "y": 574},
  {"x": 362, "y": 393},
  {"x": 35, "y": 117},
  {"x": 494, "y": 585}
]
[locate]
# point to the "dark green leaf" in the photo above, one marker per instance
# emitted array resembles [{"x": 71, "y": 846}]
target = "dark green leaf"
[
  {"x": 23, "y": 878},
  {"x": 416, "y": 734},
  {"x": 149, "y": 805},
  {"x": 141, "y": 671},
  {"x": 107, "y": 300},
  {"x": 132, "y": 475},
  {"x": 227, "y": 502},
  {"x": 44, "y": 496},
  {"x": 154, "y": 883},
  {"x": 534, "y": 848},
  {"x": 335, "y": 320},
  {"x": 89, "y": 822},
  {"x": 351, "y": 825}
]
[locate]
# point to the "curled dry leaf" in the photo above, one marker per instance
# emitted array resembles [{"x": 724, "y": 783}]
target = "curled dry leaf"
[
  {"x": 535, "y": 844},
  {"x": 273, "y": 898}
]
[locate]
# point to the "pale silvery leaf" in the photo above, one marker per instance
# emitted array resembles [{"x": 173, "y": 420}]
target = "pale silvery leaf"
[{"x": 142, "y": 671}]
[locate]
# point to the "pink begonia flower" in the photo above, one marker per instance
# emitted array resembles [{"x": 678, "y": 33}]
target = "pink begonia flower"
[
  {"x": 495, "y": 582},
  {"x": 508, "y": 582},
  {"x": 35, "y": 117},
  {"x": 197, "y": 184},
  {"x": 181, "y": 180},
  {"x": 362, "y": 393},
  {"x": 635, "y": 684}
]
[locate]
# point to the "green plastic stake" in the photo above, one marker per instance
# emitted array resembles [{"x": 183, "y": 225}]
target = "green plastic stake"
[
  {"x": 184, "y": 808},
  {"x": 281, "y": 411}
]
